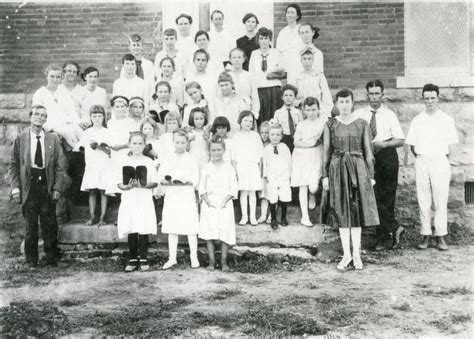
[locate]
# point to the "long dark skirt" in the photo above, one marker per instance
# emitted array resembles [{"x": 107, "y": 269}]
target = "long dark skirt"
[{"x": 270, "y": 101}]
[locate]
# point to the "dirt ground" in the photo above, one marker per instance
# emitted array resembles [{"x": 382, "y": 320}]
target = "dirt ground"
[{"x": 404, "y": 293}]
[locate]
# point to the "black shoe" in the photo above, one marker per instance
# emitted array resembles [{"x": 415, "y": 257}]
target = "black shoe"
[
  {"x": 52, "y": 262},
  {"x": 397, "y": 237},
  {"x": 284, "y": 222},
  {"x": 379, "y": 246},
  {"x": 132, "y": 265},
  {"x": 274, "y": 224}
]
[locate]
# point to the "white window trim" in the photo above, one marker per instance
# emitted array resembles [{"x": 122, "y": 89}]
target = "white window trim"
[{"x": 443, "y": 77}]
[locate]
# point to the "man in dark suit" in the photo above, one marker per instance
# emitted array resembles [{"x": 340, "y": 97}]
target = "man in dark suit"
[{"x": 38, "y": 177}]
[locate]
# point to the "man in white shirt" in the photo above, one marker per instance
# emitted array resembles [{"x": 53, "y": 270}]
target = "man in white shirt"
[
  {"x": 431, "y": 136},
  {"x": 38, "y": 177},
  {"x": 185, "y": 43},
  {"x": 387, "y": 136},
  {"x": 221, "y": 41},
  {"x": 129, "y": 84}
]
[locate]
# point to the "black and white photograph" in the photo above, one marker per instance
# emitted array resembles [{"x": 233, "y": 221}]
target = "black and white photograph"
[{"x": 222, "y": 168}]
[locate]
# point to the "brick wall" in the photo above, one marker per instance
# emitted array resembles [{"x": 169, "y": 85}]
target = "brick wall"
[
  {"x": 360, "y": 41},
  {"x": 90, "y": 33}
]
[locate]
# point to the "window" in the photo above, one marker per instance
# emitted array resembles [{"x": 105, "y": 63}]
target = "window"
[{"x": 438, "y": 46}]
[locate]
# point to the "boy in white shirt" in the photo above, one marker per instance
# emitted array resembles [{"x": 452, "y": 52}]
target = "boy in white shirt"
[
  {"x": 277, "y": 172},
  {"x": 431, "y": 135},
  {"x": 129, "y": 84}
]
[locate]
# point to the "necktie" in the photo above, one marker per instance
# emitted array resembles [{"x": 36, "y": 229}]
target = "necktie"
[
  {"x": 139, "y": 70},
  {"x": 38, "y": 153},
  {"x": 275, "y": 149},
  {"x": 264, "y": 63},
  {"x": 373, "y": 124},
  {"x": 291, "y": 123}
]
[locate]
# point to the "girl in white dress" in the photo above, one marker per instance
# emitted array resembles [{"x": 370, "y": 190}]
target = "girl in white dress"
[
  {"x": 180, "y": 175},
  {"x": 136, "y": 215},
  {"x": 119, "y": 127},
  {"x": 194, "y": 91},
  {"x": 204, "y": 75},
  {"x": 217, "y": 188},
  {"x": 165, "y": 142},
  {"x": 221, "y": 128},
  {"x": 199, "y": 137},
  {"x": 264, "y": 129},
  {"x": 136, "y": 109},
  {"x": 95, "y": 141},
  {"x": 306, "y": 158},
  {"x": 248, "y": 151},
  {"x": 161, "y": 103},
  {"x": 94, "y": 95}
]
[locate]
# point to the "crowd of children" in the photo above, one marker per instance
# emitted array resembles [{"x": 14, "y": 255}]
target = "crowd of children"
[{"x": 186, "y": 128}]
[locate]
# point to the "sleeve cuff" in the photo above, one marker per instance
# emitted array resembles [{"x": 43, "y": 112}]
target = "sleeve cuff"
[{"x": 15, "y": 191}]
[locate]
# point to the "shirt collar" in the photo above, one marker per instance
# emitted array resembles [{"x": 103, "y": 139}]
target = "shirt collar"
[{"x": 33, "y": 134}]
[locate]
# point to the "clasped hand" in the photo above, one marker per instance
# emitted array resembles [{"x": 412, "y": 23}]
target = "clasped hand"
[{"x": 133, "y": 183}]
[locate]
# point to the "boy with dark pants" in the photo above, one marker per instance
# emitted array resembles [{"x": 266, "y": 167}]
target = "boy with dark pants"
[{"x": 277, "y": 172}]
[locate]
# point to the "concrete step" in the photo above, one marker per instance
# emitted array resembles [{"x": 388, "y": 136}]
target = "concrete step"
[{"x": 294, "y": 235}]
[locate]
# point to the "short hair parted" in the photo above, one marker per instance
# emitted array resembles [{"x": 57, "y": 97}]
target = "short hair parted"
[
  {"x": 225, "y": 77},
  {"x": 430, "y": 88},
  {"x": 35, "y": 107},
  {"x": 220, "y": 121},
  {"x": 170, "y": 32},
  {"x": 248, "y": 16},
  {"x": 375, "y": 83},
  {"x": 193, "y": 113},
  {"x": 345, "y": 93}
]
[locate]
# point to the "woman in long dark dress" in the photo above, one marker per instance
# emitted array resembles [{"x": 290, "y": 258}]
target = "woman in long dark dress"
[{"x": 348, "y": 171}]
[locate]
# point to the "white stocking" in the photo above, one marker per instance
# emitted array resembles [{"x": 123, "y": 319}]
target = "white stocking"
[
  {"x": 356, "y": 235},
  {"x": 345, "y": 234},
  {"x": 172, "y": 246}
]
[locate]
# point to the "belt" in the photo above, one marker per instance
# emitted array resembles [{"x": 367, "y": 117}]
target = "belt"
[{"x": 348, "y": 163}]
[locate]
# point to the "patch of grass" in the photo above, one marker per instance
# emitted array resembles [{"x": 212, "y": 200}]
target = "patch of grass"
[
  {"x": 344, "y": 310},
  {"x": 144, "y": 319},
  {"x": 257, "y": 263},
  {"x": 15, "y": 275},
  {"x": 224, "y": 294},
  {"x": 71, "y": 302},
  {"x": 457, "y": 290},
  {"x": 444, "y": 324},
  {"x": 405, "y": 307},
  {"x": 294, "y": 300},
  {"x": 37, "y": 319},
  {"x": 461, "y": 317},
  {"x": 221, "y": 281},
  {"x": 460, "y": 234}
]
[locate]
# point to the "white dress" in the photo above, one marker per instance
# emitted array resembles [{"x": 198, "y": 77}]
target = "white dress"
[
  {"x": 218, "y": 182},
  {"x": 137, "y": 212},
  {"x": 247, "y": 154},
  {"x": 97, "y": 161},
  {"x": 199, "y": 148},
  {"x": 180, "y": 213},
  {"x": 119, "y": 133},
  {"x": 306, "y": 162}
]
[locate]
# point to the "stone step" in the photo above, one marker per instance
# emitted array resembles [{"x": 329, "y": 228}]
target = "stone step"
[{"x": 293, "y": 235}]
